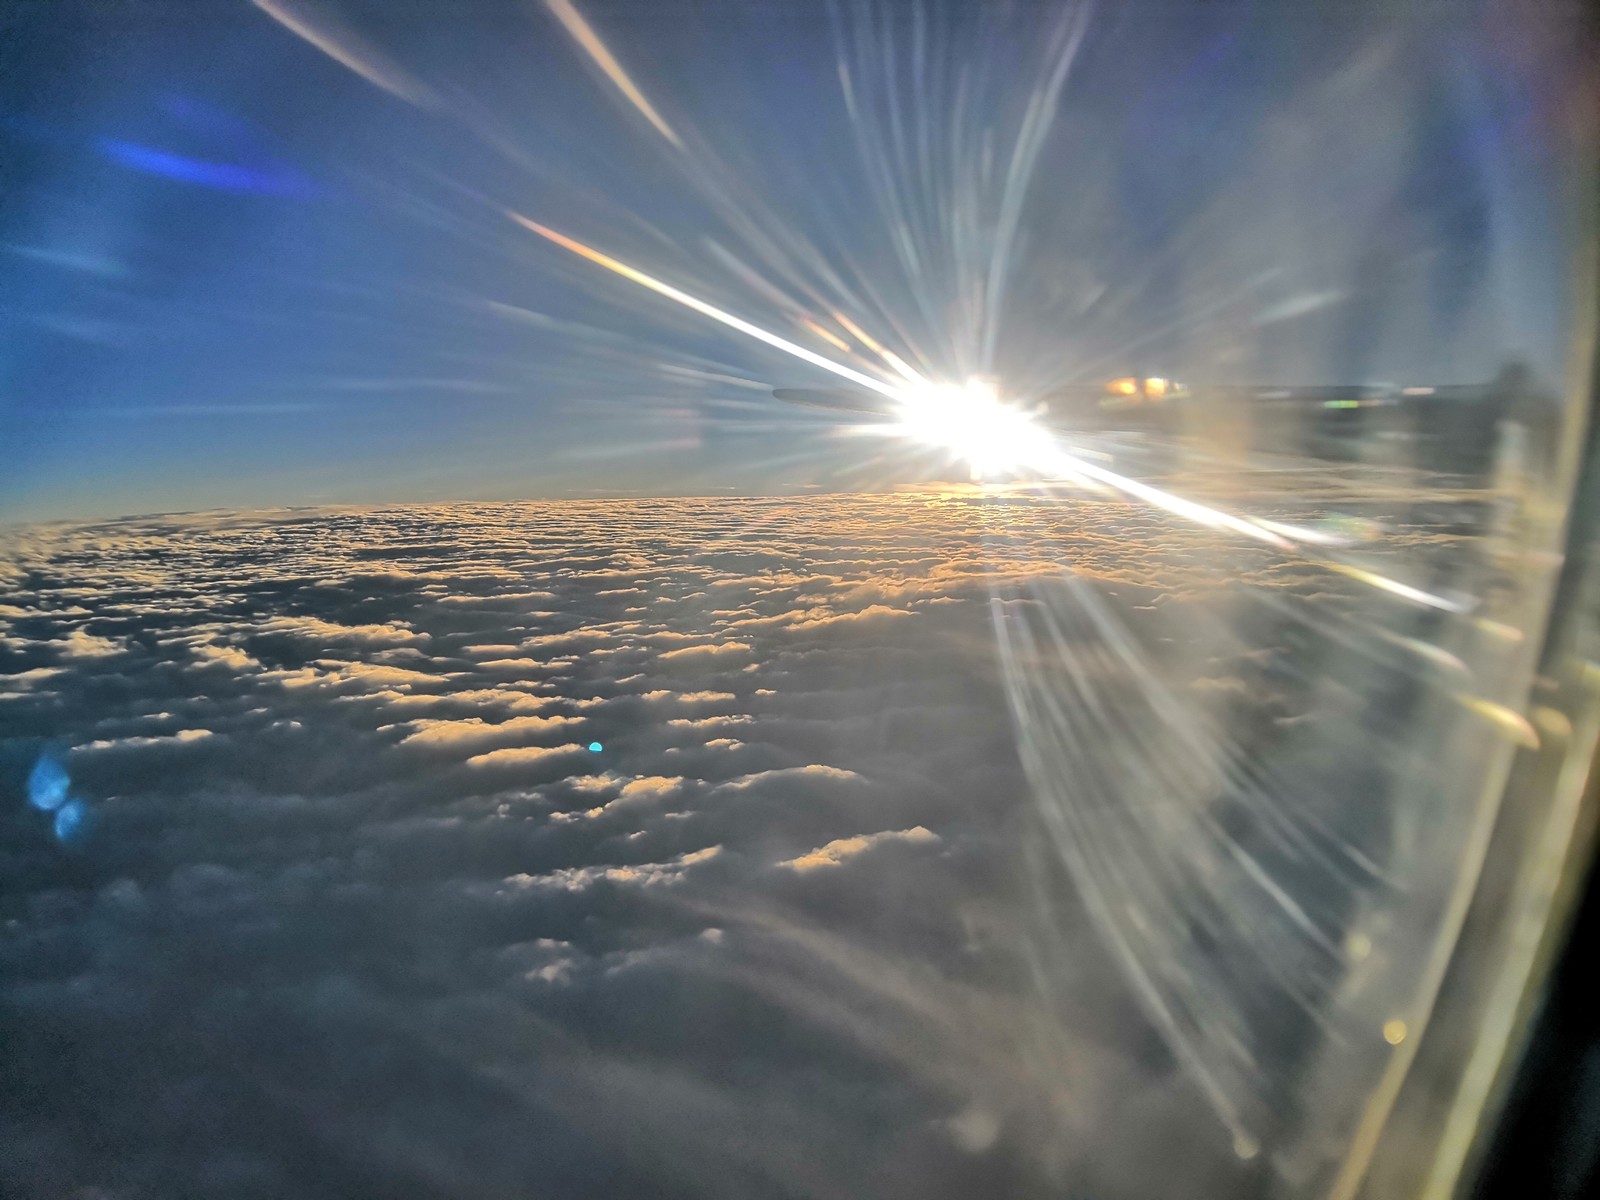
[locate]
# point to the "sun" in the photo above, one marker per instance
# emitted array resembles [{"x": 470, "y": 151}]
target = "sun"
[{"x": 973, "y": 423}]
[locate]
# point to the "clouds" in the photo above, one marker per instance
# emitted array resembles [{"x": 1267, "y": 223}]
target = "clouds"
[
  {"x": 80, "y": 643},
  {"x": 838, "y": 851},
  {"x": 697, "y": 655},
  {"x": 355, "y": 879},
  {"x": 578, "y": 879},
  {"x": 523, "y": 756},
  {"x": 332, "y": 675},
  {"x": 648, "y": 789},
  {"x": 474, "y": 732},
  {"x": 213, "y": 654},
  {"x": 810, "y": 773},
  {"x": 318, "y": 633},
  {"x": 182, "y": 737}
]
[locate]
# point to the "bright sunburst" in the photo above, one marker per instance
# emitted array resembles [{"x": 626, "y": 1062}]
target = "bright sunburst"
[{"x": 973, "y": 423}]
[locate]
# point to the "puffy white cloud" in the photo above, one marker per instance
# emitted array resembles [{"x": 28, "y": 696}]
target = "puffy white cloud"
[
  {"x": 505, "y": 699},
  {"x": 836, "y": 852},
  {"x": 521, "y": 756},
  {"x": 577, "y": 879},
  {"x": 332, "y": 676},
  {"x": 182, "y": 737},
  {"x": 498, "y": 600},
  {"x": 474, "y": 732},
  {"x": 80, "y": 643},
  {"x": 812, "y": 772},
  {"x": 215, "y": 654},
  {"x": 699, "y": 654},
  {"x": 650, "y": 788},
  {"x": 707, "y": 697},
  {"x": 21, "y": 680},
  {"x": 318, "y": 632}
]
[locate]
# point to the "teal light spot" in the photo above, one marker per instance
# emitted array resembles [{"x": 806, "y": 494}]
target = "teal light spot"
[
  {"x": 596, "y": 747},
  {"x": 47, "y": 784},
  {"x": 71, "y": 820}
]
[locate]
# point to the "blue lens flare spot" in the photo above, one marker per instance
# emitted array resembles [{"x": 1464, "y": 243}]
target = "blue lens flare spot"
[
  {"x": 47, "y": 784},
  {"x": 222, "y": 176},
  {"x": 596, "y": 747},
  {"x": 72, "y": 821}
]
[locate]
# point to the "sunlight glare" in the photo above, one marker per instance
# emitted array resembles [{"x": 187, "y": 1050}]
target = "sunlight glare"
[{"x": 972, "y": 422}]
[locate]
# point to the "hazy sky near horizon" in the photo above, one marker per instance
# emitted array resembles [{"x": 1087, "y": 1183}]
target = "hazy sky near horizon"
[{"x": 260, "y": 254}]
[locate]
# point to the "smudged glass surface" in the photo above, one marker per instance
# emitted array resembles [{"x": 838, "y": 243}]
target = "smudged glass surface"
[{"x": 1052, "y": 653}]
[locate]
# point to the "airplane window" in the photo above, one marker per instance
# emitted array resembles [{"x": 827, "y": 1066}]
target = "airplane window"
[{"x": 806, "y": 600}]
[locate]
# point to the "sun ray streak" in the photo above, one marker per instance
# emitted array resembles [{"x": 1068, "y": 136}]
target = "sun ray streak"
[
  {"x": 345, "y": 50},
  {"x": 1019, "y": 174},
  {"x": 931, "y": 413},
  {"x": 708, "y": 310},
  {"x": 583, "y": 33}
]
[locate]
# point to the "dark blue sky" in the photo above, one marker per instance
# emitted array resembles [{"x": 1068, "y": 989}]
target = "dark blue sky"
[{"x": 234, "y": 271}]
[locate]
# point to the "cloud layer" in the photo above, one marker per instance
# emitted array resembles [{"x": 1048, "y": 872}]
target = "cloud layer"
[{"x": 356, "y": 908}]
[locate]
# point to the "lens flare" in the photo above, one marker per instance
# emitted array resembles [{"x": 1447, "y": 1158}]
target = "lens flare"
[
  {"x": 700, "y": 306},
  {"x": 583, "y": 33},
  {"x": 995, "y": 438},
  {"x": 48, "y": 784},
  {"x": 971, "y": 422}
]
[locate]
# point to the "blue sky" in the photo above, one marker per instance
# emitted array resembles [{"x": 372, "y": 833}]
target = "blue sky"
[{"x": 238, "y": 272}]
